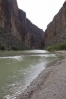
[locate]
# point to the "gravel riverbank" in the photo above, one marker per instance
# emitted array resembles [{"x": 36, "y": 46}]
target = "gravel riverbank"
[{"x": 50, "y": 84}]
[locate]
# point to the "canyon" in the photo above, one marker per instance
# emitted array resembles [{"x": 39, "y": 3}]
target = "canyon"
[
  {"x": 56, "y": 30},
  {"x": 16, "y": 30}
]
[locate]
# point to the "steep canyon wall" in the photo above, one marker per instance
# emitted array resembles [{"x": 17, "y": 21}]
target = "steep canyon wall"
[
  {"x": 17, "y": 28},
  {"x": 55, "y": 30}
]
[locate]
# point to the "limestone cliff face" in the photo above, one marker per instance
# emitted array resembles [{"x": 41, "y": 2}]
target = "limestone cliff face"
[
  {"x": 17, "y": 30},
  {"x": 15, "y": 22},
  {"x": 34, "y": 35},
  {"x": 8, "y": 16},
  {"x": 57, "y": 26}
]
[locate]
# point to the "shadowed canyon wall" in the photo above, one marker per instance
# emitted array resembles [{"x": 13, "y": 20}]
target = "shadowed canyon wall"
[
  {"x": 34, "y": 35},
  {"x": 16, "y": 29},
  {"x": 55, "y": 30}
]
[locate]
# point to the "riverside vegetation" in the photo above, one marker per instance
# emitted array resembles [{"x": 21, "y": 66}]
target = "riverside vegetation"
[
  {"x": 61, "y": 46},
  {"x": 2, "y": 47}
]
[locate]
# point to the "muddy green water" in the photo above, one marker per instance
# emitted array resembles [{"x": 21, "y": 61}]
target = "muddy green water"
[{"x": 19, "y": 68}]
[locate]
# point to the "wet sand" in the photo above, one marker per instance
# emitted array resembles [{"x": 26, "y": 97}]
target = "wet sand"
[{"x": 50, "y": 84}]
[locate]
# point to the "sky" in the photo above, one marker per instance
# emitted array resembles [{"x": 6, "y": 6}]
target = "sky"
[{"x": 40, "y": 12}]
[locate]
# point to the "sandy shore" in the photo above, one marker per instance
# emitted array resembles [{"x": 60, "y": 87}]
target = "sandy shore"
[{"x": 50, "y": 84}]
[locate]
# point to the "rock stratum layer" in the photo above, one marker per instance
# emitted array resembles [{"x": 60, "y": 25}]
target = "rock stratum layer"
[
  {"x": 56, "y": 30},
  {"x": 16, "y": 29}
]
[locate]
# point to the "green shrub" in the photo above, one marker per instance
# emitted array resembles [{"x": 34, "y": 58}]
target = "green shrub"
[
  {"x": 14, "y": 48},
  {"x": 61, "y": 46},
  {"x": 25, "y": 48},
  {"x": 2, "y": 47},
  {"x": 8, "y": 49}
]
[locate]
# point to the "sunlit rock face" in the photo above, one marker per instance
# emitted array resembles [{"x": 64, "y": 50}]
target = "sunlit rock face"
[
  {"x": 13, "y": 20},
  {"x": 54, "y": 32}
]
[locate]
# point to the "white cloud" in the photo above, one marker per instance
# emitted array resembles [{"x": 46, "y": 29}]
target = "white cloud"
[{"x": 40, "y": 12}]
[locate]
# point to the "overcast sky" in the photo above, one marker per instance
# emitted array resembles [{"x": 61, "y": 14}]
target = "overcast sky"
[{"x": 40, "y": 12}]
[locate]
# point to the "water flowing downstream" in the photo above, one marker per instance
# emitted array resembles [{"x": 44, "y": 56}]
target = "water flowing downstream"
[{"x": 18, "y": 69}]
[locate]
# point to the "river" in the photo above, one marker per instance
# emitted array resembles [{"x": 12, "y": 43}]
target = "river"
[{"x": 19, "y": 68}]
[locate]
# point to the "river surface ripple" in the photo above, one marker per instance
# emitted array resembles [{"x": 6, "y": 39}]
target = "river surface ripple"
[{"x": 19, "y": 68}]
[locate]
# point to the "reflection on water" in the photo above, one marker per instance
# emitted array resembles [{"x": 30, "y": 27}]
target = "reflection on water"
[{"x": 18, "y": 69}]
